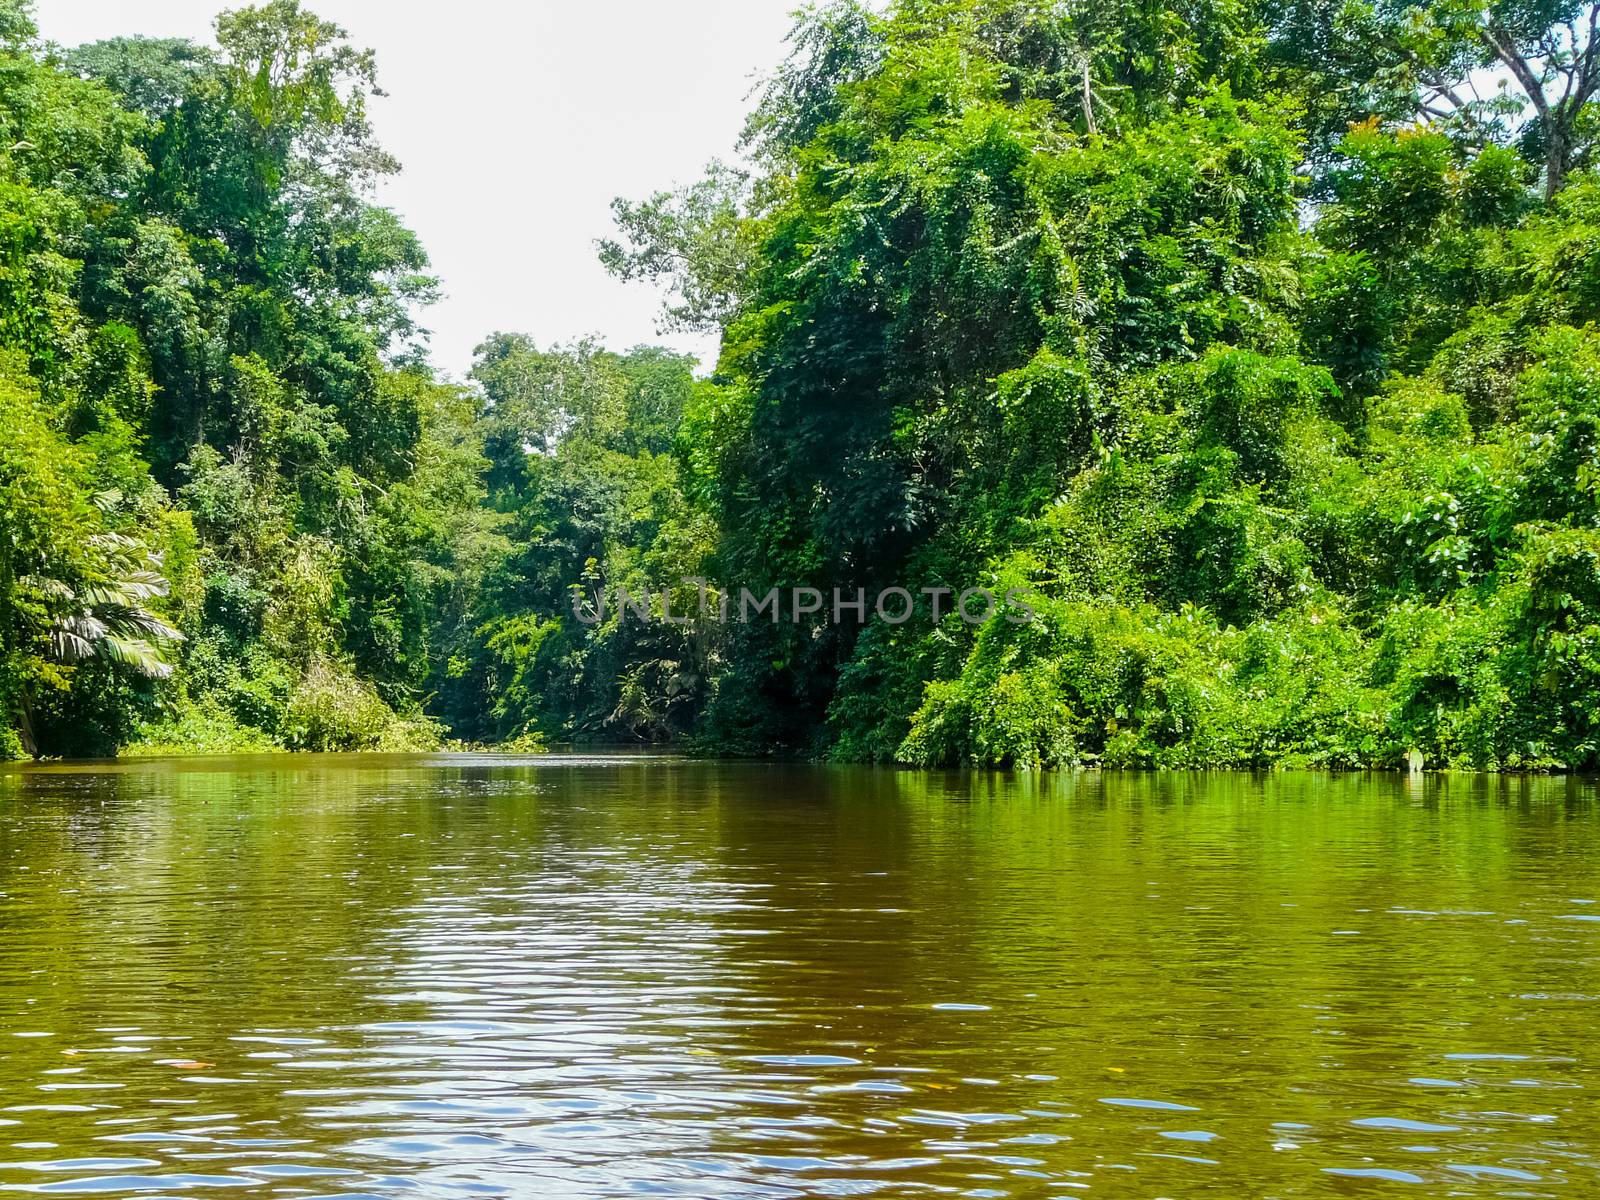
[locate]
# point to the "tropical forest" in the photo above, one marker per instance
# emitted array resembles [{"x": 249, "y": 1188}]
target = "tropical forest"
[{"x": 1253, "y": 341}]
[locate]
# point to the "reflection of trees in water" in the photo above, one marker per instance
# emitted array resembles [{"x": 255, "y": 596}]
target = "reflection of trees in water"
[
  {"x": 704, "y": 959},
  {"x": 195, "y": 905}
]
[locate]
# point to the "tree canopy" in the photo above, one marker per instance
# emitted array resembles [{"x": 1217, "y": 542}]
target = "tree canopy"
[{"x": 1253, "y": 341}]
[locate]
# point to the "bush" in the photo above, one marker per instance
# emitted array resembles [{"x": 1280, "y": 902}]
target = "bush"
[
  {"x": 332, "y": 710},
  {"x": 199, "y": 728},
  {"x": 1121, "y": 687}
]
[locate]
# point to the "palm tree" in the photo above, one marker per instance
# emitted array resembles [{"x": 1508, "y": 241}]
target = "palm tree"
[
  {"x": 106, "y": 618},
  {"x": 104, "y": 615}
]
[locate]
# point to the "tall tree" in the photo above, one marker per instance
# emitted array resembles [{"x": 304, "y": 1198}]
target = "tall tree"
[{"x": 1523, "y": 72}]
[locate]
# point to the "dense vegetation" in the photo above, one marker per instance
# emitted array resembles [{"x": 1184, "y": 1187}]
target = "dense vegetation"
[
  {"x": 236, "y": 506},
  {"x": 1255, "y": 340}
]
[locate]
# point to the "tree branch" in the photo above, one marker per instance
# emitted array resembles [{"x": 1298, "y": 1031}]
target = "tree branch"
[
  {"x": 1499, "y": 43},
  {"x": 1088, "y": 97},
  {"x": 1441, "y": 86},
  {"x": 1586, "y": 70},
  {"x": 1571, "y": 70}
]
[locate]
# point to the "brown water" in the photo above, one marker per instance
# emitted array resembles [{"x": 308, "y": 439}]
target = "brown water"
[{"x": 454, "y": 977}]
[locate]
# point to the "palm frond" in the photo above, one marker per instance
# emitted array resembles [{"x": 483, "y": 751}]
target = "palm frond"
[
  {"x": 113, "y": 541},
  {"x": 137, "y": 621},
  {"x": 143, "y": 585},
  {"x": 75, "y": 640},
  {"x": 137, "y": 655},
  {"x": 102, "y": 595},
  {"x": 108, "y": 618}
]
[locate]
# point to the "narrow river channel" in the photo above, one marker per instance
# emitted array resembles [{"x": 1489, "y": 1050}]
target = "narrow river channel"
[{"x": 458, "y": 976}]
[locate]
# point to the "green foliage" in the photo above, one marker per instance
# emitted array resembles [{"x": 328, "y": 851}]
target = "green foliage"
[
  {"x": 1402, "y": 63},
  {"x": 192, "y": 276},
  {"x": 1245, "y": 338},
  {"x": 1298, "y": 471},
  {"x": 693, "y": 239},
  {"x": 206, "y": 728},
  {"x": 330, "y": 709},
  {"x": 581, "y": 465},
  {"x": 1099, "y": 684}
]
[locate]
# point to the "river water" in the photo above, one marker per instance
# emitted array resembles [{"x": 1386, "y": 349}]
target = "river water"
[{"x": 477, "y": 977}]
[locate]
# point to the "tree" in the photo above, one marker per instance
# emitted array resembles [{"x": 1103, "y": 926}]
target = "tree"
[
  {"x": 196, "y": 273},
  {"x": 1551, "y": 51},
  {"x": 694, "y": 239},
  {"x": 1433, "y": 62},
  {"x": 152, "y": 76}
]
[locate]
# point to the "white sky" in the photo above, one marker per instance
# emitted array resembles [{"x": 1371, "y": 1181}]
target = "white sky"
[{"x": 517, "y": 122}]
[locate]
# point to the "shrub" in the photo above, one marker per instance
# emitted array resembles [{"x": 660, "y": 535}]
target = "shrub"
[{"x": 332, "y": 710}]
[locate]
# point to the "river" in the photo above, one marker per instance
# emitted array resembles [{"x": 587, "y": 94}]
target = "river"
[{"x": 458, "y": 976}]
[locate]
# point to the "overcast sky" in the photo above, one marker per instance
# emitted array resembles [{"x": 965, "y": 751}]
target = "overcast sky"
[{"x": 517, "y": 122}]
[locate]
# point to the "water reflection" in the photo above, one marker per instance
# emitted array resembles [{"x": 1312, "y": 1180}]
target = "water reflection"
[{"x": 468, "y": 977}]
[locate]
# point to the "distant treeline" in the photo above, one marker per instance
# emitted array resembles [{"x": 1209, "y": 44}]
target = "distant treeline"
[{"x": 1252, "y": 340}]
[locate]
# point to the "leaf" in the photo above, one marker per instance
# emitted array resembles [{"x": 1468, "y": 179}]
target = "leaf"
[{"x": 138, "y": 656}]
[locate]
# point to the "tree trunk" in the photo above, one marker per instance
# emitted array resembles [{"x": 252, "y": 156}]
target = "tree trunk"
[
  {"x": 25, "y": 725},
  {"x": 1557, "y": 138}
]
